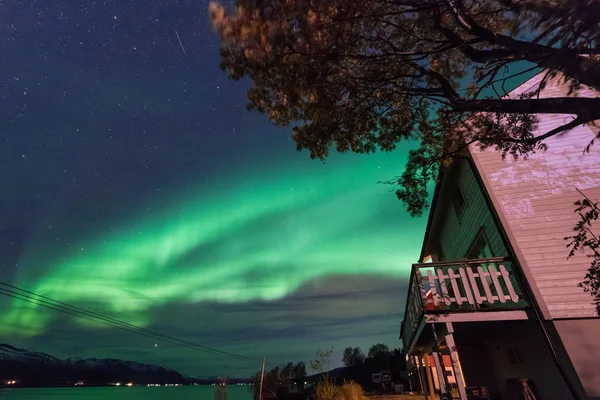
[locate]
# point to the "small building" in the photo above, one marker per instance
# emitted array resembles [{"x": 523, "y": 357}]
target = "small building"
[{"x": 493, "y": 301}]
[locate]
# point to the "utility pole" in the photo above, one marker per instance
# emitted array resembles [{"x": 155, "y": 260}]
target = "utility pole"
[{"x": 262, "y": 376}]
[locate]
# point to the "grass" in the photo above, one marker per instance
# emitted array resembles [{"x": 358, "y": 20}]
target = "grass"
[
  {"x": 327, "y": 390},
  {"x": 398, "y": 397}
]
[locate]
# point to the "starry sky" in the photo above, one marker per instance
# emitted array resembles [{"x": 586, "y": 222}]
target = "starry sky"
[{"x": 135, "y": 184}]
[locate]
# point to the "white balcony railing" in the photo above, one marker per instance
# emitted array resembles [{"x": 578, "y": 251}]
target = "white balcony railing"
[{"x": 460, "y": 286}]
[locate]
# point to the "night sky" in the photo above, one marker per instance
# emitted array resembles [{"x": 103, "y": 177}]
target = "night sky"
[{"x": 135, "y": 184}]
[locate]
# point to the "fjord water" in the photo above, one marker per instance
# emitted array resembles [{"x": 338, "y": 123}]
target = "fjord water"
[{"x": 125, "y": 393}]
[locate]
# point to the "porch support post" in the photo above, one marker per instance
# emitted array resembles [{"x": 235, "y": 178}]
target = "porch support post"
[
  {"x": 460, "y": 381},
  {"x": 429, "y": 377},
  {"x": 441, "y": 370},
  {"x": 422, "y": 383}
]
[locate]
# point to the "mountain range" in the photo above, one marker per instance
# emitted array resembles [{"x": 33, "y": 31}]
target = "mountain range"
[{"x": 32, "y": 369}]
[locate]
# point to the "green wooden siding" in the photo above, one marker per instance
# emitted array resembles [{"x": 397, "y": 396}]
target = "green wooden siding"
[{"x": 456, "y": 235}]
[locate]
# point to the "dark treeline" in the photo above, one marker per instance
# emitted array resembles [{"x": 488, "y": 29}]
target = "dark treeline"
[
  {"x": 281, "y": 380},
  {"x": 291, "y": 380}
]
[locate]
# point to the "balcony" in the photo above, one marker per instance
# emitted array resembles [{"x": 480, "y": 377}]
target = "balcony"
[{"x": 466, "y": 286}]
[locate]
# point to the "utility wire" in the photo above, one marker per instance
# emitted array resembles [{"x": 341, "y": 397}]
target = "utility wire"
[
  {"x": 50, "y": 303},
  {"x": 56, "y": 305},
  {"x": 122, "y": 326}
]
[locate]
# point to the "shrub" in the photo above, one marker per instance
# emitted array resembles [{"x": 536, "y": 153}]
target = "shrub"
[
  {"x": 326, "y": 390},
  {"x": 351, "y": 391}
]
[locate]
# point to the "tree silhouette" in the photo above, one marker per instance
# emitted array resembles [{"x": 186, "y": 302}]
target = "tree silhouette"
[
  {"x": 379, "y": 349},
  {"x": 322, "y": 360},
  {"x": 300, "y": 374},
  {"x": 353, "y": 356},
  {"x": 279, "y": 378},
  {"x": 380, "y": 354}
]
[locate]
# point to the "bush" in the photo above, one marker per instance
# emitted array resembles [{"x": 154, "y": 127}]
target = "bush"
[
  {"x": 351, "y": 391},
  {"x": 327, "y": 390}
]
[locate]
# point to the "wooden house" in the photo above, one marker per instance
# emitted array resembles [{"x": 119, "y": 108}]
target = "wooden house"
[{"x": 493, "y": 289}]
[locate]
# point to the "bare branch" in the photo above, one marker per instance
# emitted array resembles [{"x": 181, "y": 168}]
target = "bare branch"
[
  {"x": 587, "y": 108},
  {"x": 570, "y": 125}
]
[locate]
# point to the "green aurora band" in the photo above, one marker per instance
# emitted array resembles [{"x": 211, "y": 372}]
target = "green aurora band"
[{"x": 259, "y": 238}]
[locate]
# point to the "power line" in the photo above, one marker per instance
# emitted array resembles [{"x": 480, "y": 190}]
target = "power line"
[
  {"x": 56, "y": 305},
  {"x": 118, "y": 324}
]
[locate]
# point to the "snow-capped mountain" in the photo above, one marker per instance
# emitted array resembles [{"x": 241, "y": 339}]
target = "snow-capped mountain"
[
  {"x": 40, "y": 369},
  {"x": 8, "y": 352},
  {"x": 111, "y": 363}
]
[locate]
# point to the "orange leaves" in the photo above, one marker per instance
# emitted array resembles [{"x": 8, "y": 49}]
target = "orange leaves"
[
  {"x": 363, "y": 75},
  {"x": 217, "y": 15}
]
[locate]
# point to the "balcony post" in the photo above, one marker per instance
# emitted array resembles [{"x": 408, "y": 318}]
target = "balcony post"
[
  {"x": 430, "y": 386},
  {"x": 422, "y": 382},
  {"x": 445, "y": 388},
  {"x": 440, "y": 370},
  {"x": 460, "y": 381}
]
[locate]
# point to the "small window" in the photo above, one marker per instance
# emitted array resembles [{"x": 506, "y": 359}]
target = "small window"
[
  {"x": 514, "y": 356},
  {"x": 458, "y": 202},
  {"x": 480, "y": 247},
  {"x": 439, "y": 252}
]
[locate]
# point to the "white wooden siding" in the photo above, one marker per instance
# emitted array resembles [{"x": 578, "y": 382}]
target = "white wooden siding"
[
  {"x": 580, "y": 338},
  {"x": 535, "y": 197}
]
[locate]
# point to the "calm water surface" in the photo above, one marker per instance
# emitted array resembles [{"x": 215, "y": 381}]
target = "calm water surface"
[{"x": 125, "y": 393}]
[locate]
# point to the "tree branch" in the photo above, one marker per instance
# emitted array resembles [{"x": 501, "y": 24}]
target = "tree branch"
[
  {"x": 586, "y": 108},
  {"x": 492, "y": 81},
  {"x": 564, "y": 60},
  {"x": 415, "y": 9},
  {"x": 444, "y": 83},
  {"x": 570, "y": 125},
  {"x": 473, "y": 54}
]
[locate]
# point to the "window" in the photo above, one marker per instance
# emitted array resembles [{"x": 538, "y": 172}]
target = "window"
[
  {"x": 480, "y": 247},
  {"x": 514, "y": 357},
  {"x": 458, "y": 201},
  {"x": 439, "y": 252}
]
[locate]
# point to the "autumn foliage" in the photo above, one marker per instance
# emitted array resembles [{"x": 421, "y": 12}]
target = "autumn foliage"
[{"x": 365, "y": 75}]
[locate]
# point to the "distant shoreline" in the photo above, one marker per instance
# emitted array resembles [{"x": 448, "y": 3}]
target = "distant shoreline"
[{"x": 11, "y": 387}]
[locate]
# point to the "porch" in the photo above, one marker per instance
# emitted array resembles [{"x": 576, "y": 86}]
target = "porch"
[
  {"x": 484, "y": 360},
  {"x": 468, "y": 335},
  {"x": 445, "y": 295}
]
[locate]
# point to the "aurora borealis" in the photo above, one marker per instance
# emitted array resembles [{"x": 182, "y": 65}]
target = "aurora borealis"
[{"x": 136, "y": 184}]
